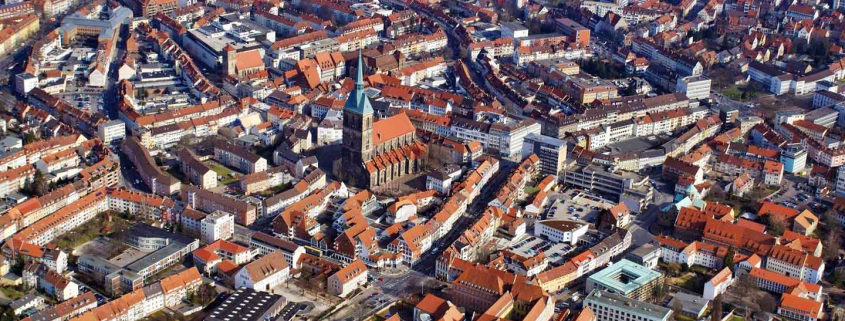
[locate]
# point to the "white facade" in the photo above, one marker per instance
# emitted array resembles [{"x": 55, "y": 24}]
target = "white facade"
[
  {"x": 243, "y": 279},
  {"x": 217, "y": 226},
  {"x": 111, "y": 131},
  {"x": 557, "y": 233},
  {"x": 25, "y": 82},
  {"x": 718, "y": 284},
  {"x": 695, "y": 87}
]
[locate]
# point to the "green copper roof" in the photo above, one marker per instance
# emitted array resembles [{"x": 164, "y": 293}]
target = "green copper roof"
[{"x": 357, "y": 101}]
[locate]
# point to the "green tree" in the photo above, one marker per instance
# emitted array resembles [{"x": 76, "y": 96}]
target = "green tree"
[
  {"x": 729, "y": 258},
  {"x": 29, "y": 138}
]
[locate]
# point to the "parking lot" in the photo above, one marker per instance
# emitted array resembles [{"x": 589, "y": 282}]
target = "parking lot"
[
  {"x": 576, "y": 205},
  {"x": 530, "y": 245},
  {"x": 798, "y": 200}
]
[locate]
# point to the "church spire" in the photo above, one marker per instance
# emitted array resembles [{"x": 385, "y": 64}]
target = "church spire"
[
  {"x": 359, "y": 78},
  {"x": 357, "y": 101}
]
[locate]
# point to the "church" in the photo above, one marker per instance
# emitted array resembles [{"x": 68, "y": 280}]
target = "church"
[{"x": 375, "y": 153}]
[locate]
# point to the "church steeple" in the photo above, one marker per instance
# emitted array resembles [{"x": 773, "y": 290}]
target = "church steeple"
[
  {"x": 357, "y": 101},
  {"x": 359, "y": 77}
]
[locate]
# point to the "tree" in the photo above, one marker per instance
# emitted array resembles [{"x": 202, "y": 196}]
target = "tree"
[
  {"x": 39, "y": 184},
  {"x": 775, "y": 224},
  {"x": 831, "y": 245},
  {"x": 674, "y": 269},
  {"x": 838, "y": 278},
  {"x": 744, "y": 285},
  {"x": 832, "y": 235},
  {"x": 228, "y": 133},
  {"x": 767, "y": 303},
  {"x": 716, "y": 313},
  {"x": 29, "y": 138},
  {"x": 659, "y": 291},
  {"x": 729, "y": 258},
  {"x": 677, "y": 309}
]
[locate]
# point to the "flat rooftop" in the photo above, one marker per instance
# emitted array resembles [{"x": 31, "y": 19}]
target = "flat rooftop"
[
  {"x": 247, "y": 305},
  {"x": 624, "y": 276},
  {"x": 529, "y": 246},
  {"x": 647, "y": 310}
]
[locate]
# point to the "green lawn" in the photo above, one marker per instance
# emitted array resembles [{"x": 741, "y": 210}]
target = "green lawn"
[
  {"x": 11, "y": 292},
  {"x": 736, "y": 92},
  {"x": 225, "y": 172},
  {"x": 276, "y": 189},
  {"x": 221, "y": 170},
  {"x": 531, "y": 190}
]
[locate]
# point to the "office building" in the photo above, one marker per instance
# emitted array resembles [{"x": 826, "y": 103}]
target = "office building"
[
  {"x": 626, "y": 278},
  {"x": 111, "y": 131},
  {"x": 614, "y": 307},
  {"x": 550, "y": 150},
  {"x": 695, "y": 87},
  {"x": 622, "y": 186},
  {"x": 561, "y": 231}
]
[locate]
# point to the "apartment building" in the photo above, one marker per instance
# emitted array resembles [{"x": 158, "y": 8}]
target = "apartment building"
[
  {"x": 229, "y": 154},
  {"x": 148, "y": 206},
  {"x": 577, "y": 32},
  {"x": 217, "y": 226},
  {"x": 585, "y": 91},
  {"x": 210, "y": 202},
  {"x": 348, "y": 279},
  {"x": 111, "y": 131},
  {"x": 266, "y": 244},
  {"x": 207, "y": 257},
  {"x": 195, "y": 170},
  {"x": 160, "y": 183}
]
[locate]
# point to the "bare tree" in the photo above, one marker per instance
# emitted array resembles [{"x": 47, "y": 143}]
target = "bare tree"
[
  {"x": 744, "y": 286},
  {"x": 677, "y": 309},
  {"x": 767, "y": 303},
  {"x": 716, "y": 313}
]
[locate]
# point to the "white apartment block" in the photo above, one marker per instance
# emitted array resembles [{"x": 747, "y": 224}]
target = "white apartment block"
[{"x": 217, "y": 226}]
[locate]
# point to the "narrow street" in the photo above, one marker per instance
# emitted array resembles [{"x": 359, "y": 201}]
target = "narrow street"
[{"x": 427, "y": 264}]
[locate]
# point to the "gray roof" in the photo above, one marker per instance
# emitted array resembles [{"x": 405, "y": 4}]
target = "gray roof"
[
  {"x": 247, "y": 305},
  {"x": 692, "y": 304},
  {"x": 644, "y": 250},
  {"x": 647, "y": 310},
  {"x": 24, "y": 300},
  {"x": 153, "y": 290}
]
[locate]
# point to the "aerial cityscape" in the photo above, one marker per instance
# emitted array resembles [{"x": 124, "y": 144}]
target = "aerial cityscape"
[{"x": 422, "y": 160}]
